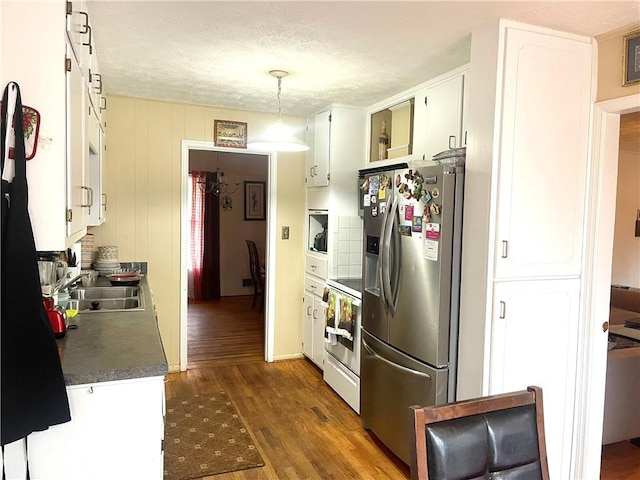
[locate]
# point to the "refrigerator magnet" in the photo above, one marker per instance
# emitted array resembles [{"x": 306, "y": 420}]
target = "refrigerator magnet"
[
  {"x": 382, "y": 194},
  {"x": 374, "y": 185},
  {"x": 435, "y": 192},
  {"x": 384, "y": 181},
  {"x": 374, "y": 211},
  {"x": 435, "y": 209},
  {"x": 426, "y": 213},
  {"x": 408, "y": 212},
  {"x": 383, "y": 207},
  {"x": 417, "y": 224},
  {"x": 426, "y": 196},
  {"x": 431, "y": 250},
  {"x": 374, "y": 200},
  {"x": 404, "y": 230},
  {"x": 366, "y": 200},
  {"x": 432, "y": 231}
]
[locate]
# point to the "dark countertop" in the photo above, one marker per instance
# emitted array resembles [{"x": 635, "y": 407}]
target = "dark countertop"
[{"x": 114, "y": 345}]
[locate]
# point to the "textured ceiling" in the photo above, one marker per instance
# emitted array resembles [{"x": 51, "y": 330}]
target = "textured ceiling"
[{"x": 357, "y": 53}]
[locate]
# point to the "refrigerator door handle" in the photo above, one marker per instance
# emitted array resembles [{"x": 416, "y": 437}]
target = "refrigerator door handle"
[
  {"x": 383, "y": 250},
  {"x": 393, "y": 365},
  {"x": 386, "y": 247}
]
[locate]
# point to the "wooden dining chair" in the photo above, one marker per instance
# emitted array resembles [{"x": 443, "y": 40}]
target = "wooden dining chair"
[
  {"x": 257, "y": 275},
  {"x": 499, "y": 436}
]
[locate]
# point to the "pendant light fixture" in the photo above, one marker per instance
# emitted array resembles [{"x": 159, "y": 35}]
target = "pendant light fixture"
[{"x": 278, "y": 137}]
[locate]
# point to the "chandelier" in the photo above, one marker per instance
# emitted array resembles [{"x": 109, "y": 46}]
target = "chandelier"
[
  {"x": 279, "y": 138},
  {"x": 219, "y": 185}
]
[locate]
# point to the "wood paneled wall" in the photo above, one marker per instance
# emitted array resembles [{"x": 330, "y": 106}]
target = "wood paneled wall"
[{"x": 142, "y": 176}]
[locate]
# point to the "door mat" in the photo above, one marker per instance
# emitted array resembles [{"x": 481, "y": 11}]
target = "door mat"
[{"x": 205, "y": 436}]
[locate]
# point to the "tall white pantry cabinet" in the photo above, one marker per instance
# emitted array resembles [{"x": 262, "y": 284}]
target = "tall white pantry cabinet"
[{"x": 527, "y": 152}]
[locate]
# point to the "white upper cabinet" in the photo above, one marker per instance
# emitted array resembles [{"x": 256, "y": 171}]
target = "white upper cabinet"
[
  {"x": 318, "y": 155},
  {"x": 336, "y": 140},
  {"x": 54, "y": 82},
  {"x": 543, "y": 156},
  {"x": 94, "y": 152},
  {"x": 419, "y": 122},
  {"x": 42, "y": 80},
  {"x": 442, "y": 104},
  {"x": 77, "y": 27},
  {"x": 78, "y": 192}
]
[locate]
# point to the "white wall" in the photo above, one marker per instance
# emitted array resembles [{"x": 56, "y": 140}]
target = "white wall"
[
  {"x": 234, "y": 230},
  {"x": 626, "y": 246}
]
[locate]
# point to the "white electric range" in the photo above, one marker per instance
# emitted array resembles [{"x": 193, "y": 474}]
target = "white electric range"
[{"x": 342, "y": 365}]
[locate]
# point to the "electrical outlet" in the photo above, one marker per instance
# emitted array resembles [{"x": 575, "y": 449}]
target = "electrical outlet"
[{"x": 285, "y": 233}]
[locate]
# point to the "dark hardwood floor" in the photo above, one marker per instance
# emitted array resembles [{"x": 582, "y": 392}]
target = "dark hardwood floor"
[{"x": 302, "y": 428}]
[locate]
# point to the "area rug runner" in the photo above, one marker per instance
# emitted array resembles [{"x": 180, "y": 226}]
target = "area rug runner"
[{"x": 205, "y": 436}]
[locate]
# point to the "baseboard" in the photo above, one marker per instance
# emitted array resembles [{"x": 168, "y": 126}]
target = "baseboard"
[{"x": 289, "y": 356}]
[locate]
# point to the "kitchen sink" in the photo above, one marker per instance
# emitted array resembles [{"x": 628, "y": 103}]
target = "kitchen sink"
[
  {"x": 105, "y": 305},
  {"x": 104, "y": 292},
  {"x": 105, "y": 299}
]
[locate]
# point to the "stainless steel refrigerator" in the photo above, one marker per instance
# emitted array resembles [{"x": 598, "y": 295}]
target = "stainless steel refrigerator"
[{"x": 410, "y": 302}]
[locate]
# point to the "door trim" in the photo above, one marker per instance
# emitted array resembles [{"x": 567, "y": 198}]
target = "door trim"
[
  {"x": 592, "y": 350},
  {"x": 270, "y": 287}
]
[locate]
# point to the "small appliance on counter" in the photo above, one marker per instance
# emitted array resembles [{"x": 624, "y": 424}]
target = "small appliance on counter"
[{"x": 57, "y": 317}]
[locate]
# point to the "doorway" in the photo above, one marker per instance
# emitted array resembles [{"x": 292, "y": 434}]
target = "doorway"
[
  {"x": 230, "y": 260},
  {"x": 599, "y": 252},
  {"x": 225, "y": 325}
]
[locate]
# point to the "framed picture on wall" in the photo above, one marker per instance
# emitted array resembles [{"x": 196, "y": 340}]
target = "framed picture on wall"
[
  {"x": 229, "y": 134},
  {"x": 631, "y": 62},
  {"x": 254, "y": 201}
]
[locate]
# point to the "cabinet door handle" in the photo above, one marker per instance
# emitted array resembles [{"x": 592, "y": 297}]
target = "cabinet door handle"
[
  {"x": 103, "y": 100},
  {"x": 98, "y": 88},
  {"x": 503, "y": 308},
  {"x": 314, "y": 314},
  {"x": 505, "y": 248},
  {"x": 452, "y": 141},
  {"x": 88, "y": 44},
  {"x": 89, "y": 198},
  {"x": 309, "y": 310},
  {"x": 465, "y": 137},
  {"x": 312, "y": 287}
]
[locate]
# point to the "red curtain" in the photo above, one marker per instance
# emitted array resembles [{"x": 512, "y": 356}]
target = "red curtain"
[
  {"x": 211, "y": 249},
  {"x": 197, "y": 232},
  {"x": 204, "y": 250}
]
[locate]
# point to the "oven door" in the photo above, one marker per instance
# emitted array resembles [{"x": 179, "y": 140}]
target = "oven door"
[{"x": 349, "y": 358}]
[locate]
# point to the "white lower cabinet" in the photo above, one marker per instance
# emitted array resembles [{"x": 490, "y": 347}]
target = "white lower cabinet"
[
  {"x": 313, "y": 326},
  {"x": 534, "y": 342},
  {"x": 116, "y": 431}
]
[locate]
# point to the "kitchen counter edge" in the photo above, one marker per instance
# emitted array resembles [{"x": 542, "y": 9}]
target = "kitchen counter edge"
[{"x": 114, "y": 345}]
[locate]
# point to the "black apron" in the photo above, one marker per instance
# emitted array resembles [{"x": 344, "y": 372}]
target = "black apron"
[{"x": 33, "y": 391}]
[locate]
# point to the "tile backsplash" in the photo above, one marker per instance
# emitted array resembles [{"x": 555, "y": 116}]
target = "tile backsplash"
[{"x": 347, "y": 251}]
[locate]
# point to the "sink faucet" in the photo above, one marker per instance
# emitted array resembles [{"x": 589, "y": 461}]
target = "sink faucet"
[{"x": 71, "y": 282}]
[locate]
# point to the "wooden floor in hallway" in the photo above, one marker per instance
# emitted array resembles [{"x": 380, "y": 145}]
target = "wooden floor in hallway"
[
  {"x": 302, "y": 428},
  {"x": 224, "y": 332}
]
